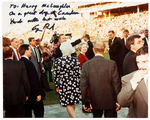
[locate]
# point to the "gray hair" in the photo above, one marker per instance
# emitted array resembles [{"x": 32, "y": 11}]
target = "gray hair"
[
  {"x": 83, "y": 43},
  {"x": 99, "y": 46},
  {"x": 66, "y": 48}
]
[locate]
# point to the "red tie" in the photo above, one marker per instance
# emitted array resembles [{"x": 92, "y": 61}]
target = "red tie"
[{"x": 18, "y": 54}]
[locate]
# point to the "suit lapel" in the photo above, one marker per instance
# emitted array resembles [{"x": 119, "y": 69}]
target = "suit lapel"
[{"x": 143, "y": 90}]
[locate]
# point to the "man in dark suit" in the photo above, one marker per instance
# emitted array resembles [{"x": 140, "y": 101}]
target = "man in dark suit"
[
  {"x": 16, "y": 88},
  {"x": 134, "y": 92},
  {"x": 62, "y": 39},
  {"x": 104, "y": 84},
  {"x": 133, "y": 43},
  {"x": 146, "y": 40},
  {"x": 89, "y": 53},
  {"x": 14, "y": 46},
  {"x": 123, "y": 50},
  {"x": 35, "y": 101},
  {"x": 115, "y": 49}
]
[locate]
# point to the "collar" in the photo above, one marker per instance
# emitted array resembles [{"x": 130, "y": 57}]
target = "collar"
[
  {"x": 99, "y": 55},
  {"x": 13, "y": 48},
  {"x": 113, "y": 38},
  {"x": 25, "y": 57}
]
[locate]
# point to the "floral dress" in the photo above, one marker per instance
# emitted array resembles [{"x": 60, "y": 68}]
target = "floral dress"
[{"x": 67, "y": 79}]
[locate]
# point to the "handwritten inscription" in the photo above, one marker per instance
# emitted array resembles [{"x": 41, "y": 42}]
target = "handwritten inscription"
[{"x": 30, "y": 13}]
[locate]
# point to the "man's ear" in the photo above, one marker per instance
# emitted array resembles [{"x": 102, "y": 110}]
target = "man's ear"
[{"x": 131, "y": 46}]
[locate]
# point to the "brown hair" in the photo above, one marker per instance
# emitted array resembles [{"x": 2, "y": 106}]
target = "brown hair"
[
  {"x": 130, "y": 40},
  {"x": 30, "y": 39},
  {"x": 87, "y": 36},
  {"x": 60, "y": 36},
  {"x": 111, "y": 31},
  {"x": 126, "y": 30},
  {"x": 7, "y": 52},
  {"x": 6, "y": 42},
  {"x": 23, "y": 48},
  {"x": 12, "y": 39},
  {"x": 142, "y": 51}
]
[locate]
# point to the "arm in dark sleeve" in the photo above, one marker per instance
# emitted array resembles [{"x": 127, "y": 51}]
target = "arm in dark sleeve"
[
  {"x": 56, "y": 73},
  {"x": 25, "y": 80},
  {"x": 84, "y": 84},
  {"x": 76, "y": 42},
  {"x": 35, "y": 81},
  {"x": 58, "y": 53},
  {"x": 116, "y": 82}
]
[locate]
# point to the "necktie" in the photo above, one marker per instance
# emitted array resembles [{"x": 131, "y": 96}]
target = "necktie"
[
  {"x": 18, "y": 54},
  {"x": 35, "y": 53},
  {"x": 111, "y": 42}
]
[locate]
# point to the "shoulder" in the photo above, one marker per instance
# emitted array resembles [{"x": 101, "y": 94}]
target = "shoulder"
[
  {"x": 25, "y": 60},
  {"x": 117, "y": 38},
  {"x": 90, "y": 43},
  {"x": 144, "y": 38},
  {"x": 130, "y": 55},
  {"x": 18, "y": 63},
  {"x": 128, "y": 77},
  {"x": 80, "y": 56}
]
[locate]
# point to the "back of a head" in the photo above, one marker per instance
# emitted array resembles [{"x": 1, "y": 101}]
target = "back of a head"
[
  {"x": 99, "y": 46},
  {"x": 87, "y": 36},
  {"x": 7, "y": 52},
  {"x": 6, "y": 42},
  {"x": 23, "y": 48},
  {"x": 66, "y": 49}
]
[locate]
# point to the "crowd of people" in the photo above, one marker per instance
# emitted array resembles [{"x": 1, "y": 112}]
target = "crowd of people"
[
  {"x": 100, "y": 26},
  {"x": 84, "y": 77}
]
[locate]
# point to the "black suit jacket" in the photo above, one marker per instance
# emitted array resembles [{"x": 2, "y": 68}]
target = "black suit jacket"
[
  {"x": 35, "y": 84},
  {"x": 102, "y": 78},
  {"x": 58, "y": 52},
  {"x": 15, "y": 83},
  {"x": 90, "y": 53},
  {"x": 114, "y": 48},
  {"x": 115, "y": 52},
  {"x": 145, "y": 42},
  {"x": 129, "y": 63},
  {"x": 123, "y": 52}
]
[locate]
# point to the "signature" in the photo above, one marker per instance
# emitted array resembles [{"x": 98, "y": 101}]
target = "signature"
[{"x": 47, "y": 25}]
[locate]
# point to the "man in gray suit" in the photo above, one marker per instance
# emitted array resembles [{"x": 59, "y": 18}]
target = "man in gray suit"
[
  {"x": 102, "y": 78},
  {"x": 134, "y": 92},
  {"x": 35, "y": 57}
]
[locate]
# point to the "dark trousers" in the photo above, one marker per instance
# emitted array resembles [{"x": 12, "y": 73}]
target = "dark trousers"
[
  {"x": 49, "y": 76},
  {"x": 110, "y": 113},
  {"x": 37, "y": 107},
  {"x": 15, "y": 111}
]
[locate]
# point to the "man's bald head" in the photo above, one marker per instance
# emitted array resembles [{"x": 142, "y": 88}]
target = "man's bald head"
[{"x": 99, "y": 47}]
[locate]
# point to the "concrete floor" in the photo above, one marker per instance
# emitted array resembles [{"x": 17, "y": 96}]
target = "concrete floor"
[{"x": 57, "y": 111}]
